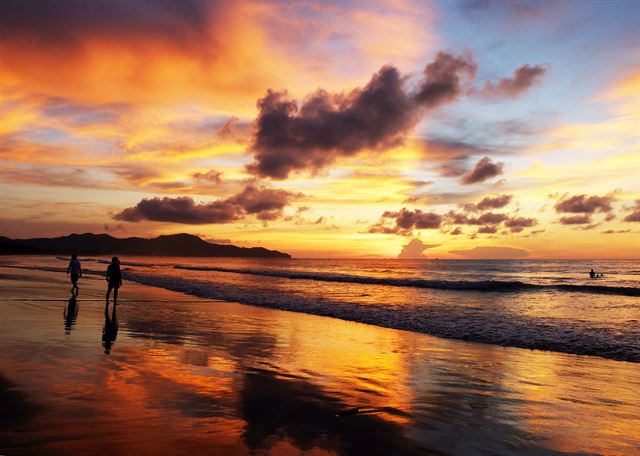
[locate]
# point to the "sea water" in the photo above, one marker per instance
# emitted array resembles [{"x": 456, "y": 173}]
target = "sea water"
[{"x": 538, "y": 304}]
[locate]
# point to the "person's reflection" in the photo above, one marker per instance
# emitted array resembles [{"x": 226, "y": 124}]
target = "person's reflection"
[
  {"x": 71, "y": 313},
  {"x": 110, "y": 330}
]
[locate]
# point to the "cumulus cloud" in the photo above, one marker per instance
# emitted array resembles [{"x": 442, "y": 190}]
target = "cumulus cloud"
[
  {"x": 265, "y": 203},
  {"x": 517, "y": 224},
  {"x": 488, "y": 218},
  {"x": 522, "y": 80},
  {"x": 484, "y": 169},
  {"x": 413, "y": 250},
  {"x": 442, "y": 80},
  {"x": 329, "y": 126},
  {"x": 406, "y": 220},
  {"x": 634, "y": 216},
  {"x": 489, "y": 202},
  {"x": 580, "y": 219},
  {"x": 210, "y": 176},
  {"x": 491, "y": 252},
  {"x": 489, "y": 229},
  {"x": 584, "y": 204},
  {"x": 180, "y": 210}
]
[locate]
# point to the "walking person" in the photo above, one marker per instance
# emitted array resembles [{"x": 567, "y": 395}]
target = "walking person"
[
  {"x": 114, "y": 279},
  {"x": 75, "y": 270}
]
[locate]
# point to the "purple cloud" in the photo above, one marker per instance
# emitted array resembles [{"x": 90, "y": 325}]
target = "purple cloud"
[
  {"x": 265, "y": 203},
  {"x": 584, "y": 204},
  {"x": 484, "y": 169}
]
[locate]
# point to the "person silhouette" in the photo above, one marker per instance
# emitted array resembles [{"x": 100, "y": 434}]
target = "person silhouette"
[
  {"x": 114, "y": 279},
  {"x": 75, "y": 270},
  {"x": 110, "y": 329},
  {"x": 592, "y": 273},
  {"x": 71, "y": 313}
]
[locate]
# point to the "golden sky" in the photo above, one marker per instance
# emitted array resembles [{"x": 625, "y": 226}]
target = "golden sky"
[{"x": 330, "y": 129}]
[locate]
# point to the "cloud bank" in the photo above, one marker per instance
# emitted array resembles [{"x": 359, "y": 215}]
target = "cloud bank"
[{"x": 265, "y": 203}]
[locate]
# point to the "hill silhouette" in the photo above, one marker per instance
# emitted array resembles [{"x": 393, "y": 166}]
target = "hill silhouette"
[{"x": 104, "y": 244}]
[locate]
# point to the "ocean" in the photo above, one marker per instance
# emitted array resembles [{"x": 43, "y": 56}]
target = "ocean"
[{"x": 537, "y": 304}]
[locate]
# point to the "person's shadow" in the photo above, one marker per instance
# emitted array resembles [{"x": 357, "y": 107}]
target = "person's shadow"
[
  {"x": 71, "y": 313},
  {"x": 110, "y": 329}
]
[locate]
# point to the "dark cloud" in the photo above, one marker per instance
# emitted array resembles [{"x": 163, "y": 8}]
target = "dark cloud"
[
  {"x": 491, "y": 252},
  {"x": 488, "y": 218},
  {"x": 329, "y": 126},
  {"x": 180, "y": 210},
  {"x": 175, "y": 23},
  {"x": 210, "y": 176},
  {"x": 413, "y": 250},
  {"x": 489, "y": 202},
  {"x": 517, "y": 224},
  {"x": 484, "y": 169},
  {"x": 634, "y": 216},
  {"x": 265, "y": 203},
  {"x": 522, "y": 80},
  {"x": 489, "y": 229},
  {"x": 584, "y": 204},
  {"x": 580, "y": 219},
  {"x": 442, "y": 79},
  {"x": 406, "y": 220},
  {"x": 616, "y": 231}
]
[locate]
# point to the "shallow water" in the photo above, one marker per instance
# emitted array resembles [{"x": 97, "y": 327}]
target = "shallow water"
[
  {"x": 539, "y": 304},
  {"x": 194, "y": 376}
]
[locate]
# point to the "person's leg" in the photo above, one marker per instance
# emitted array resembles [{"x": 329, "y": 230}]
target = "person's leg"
[
  {"x": 109, "y": 287},
  {"x": 74, "y": 282},
  {"x": 115, "y": 295}
]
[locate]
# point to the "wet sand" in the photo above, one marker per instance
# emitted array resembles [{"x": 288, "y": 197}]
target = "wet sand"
[{"x": 182, "y": 375}]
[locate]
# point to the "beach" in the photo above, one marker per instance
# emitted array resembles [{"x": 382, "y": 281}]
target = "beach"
[{"x": 188, "y": 375}]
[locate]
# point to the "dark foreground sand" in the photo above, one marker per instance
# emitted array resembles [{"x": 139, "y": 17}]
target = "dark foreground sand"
[{"x": 193, "y": 376}]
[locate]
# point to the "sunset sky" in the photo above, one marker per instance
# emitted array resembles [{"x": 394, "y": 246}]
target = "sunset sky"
[{"x": 458, "y": 129}]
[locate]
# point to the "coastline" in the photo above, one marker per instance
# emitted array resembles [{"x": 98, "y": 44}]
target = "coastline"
[{"x": 188, "y": 374}]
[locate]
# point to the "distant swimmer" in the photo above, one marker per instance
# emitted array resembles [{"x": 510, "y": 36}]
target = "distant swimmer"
[
  {"x": 114, "y": 279},
  {"x": 76, "y": 272},
  {"x": 594, "y": 275}
]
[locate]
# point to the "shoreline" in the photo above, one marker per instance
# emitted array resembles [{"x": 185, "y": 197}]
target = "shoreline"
[{"x": 520, "y": 337}]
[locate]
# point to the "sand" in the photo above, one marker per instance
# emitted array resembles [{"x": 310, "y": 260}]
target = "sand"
[{"x": 182, "y": 375}]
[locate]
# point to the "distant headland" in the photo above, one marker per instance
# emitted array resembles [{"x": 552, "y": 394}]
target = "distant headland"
[{"x": 104, "y": 244}]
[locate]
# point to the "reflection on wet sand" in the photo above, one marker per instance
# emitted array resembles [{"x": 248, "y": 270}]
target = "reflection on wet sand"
[
  {"x": 232, "y": 379},
  {"x": 294, "y": 409},
  {"x": 71, "y": 313},
  {"x": 110, "y": 328}
]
